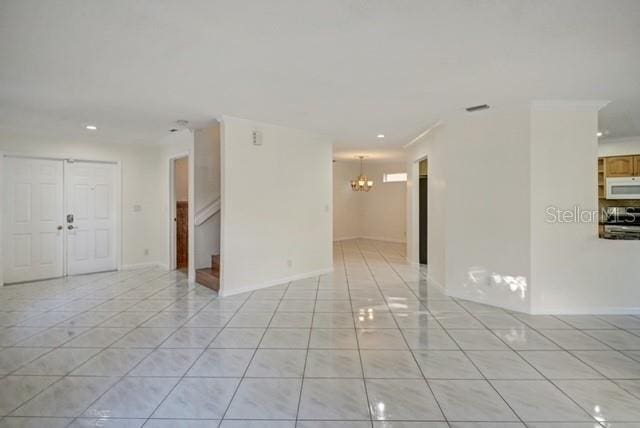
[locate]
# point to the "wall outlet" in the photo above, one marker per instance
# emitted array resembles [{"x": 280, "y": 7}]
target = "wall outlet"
[
  {"x": 146, "y": 251},
  {"x": 289, "y": 263}
]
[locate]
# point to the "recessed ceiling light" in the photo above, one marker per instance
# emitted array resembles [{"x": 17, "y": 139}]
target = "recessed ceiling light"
[
  {"x": 599, "y": 134},
  {"x": 91, "y": 127},
  {"x": 380, "y": 135}
]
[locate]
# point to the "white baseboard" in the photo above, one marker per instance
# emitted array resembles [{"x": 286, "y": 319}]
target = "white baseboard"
[
  {"x": 585, "y": 310},
  {"x": 591, "y": 310},
  {"x": 384, "y": 239},
  {"x": 463, "y": 296},
  {"x": 345, "y": 238},
  {"x": 271, "y": 283},
  {"x": 373, "y": 238},
  {"x": 143, "y": 266}
]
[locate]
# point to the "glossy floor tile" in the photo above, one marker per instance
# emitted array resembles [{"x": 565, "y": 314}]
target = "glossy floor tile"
[{"x": 371, "y": 345}]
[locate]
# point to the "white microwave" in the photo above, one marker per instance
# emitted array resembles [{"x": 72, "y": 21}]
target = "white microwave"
[{"x": 623, "y": 188}]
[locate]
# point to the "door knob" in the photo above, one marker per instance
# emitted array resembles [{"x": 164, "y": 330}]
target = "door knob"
[
  {"x": 59, "y": 227},
  {"x": 70, "y": 227}
]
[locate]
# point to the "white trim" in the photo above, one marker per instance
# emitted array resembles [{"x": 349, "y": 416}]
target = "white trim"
[
  {"x": 2, "y": 155},
  {"x": 135, "y": 266},
  {"x": 589, "y": 310},
  {"x": 119, "y": 215},
  {"x": 275, "y": 282},
  {"x": 435, "y": 282},
  {"x": 379, "y": 238},
  {"x": 555, "y": 104},
  {"x": 423, "y": 134},
  {"x": 413, "y": 215},
  {"x": 171, "y": 263},
  {"x": 223, "y": 229},
  {"x": 462, "y": 296},
  {"x": 172, "y": 206},
  {"x": 207, "y": 212},
  {"x": 345, "y": 238},
  {"x": 163, "y": 267},
  {"x": 191, "y": 269},
  {"x": 372, "y": 238}
]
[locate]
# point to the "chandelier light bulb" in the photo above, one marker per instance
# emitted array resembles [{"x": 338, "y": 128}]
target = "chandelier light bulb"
[{"x": 362, "y": 183}]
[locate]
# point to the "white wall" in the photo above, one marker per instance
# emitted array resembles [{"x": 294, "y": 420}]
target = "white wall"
[
  {"x": 482, "y": 161},
  {"x": 433, "y": 148},
  {"x": 207, "y": 190},
  {"x": 347, "y": 204},
  {"x": 177, "y": 144},
  {"x": 141, "y": 173},
  {"x": 207, "y": 166},
  {"x": 276, "y": 205},
  {"x": 573, "y": 271},
  {"x": 619, "y": 146},
  {"x": 182, "y": 179},
  {"x": 384, "y": 207},
  {"x": 488, "y": 206},
  {"x": 492, "y": 176},
  {"x": 377, "y": 214}
]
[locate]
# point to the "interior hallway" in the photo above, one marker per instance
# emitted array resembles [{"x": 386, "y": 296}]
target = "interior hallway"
[{"x": 370, "y": 344}]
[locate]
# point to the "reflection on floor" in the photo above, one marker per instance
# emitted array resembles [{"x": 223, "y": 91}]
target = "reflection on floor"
[{"x": 370, "y": 344}]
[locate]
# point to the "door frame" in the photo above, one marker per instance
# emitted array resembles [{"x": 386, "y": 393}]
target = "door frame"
[
  {"x": 413, "y": 215},
  {"x": 172, "y": 212},
  {"x": 117, "y": 199},
  {"x": 423, "y": 210}
]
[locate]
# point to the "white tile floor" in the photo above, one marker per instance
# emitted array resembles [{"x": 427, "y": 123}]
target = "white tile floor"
[{"x": 370, "y": 346}]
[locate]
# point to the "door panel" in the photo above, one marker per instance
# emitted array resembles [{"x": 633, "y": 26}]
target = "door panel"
[
  {"x": 182, "y": 234},
  {"x": 91, "y": 201},
  {"x": 48, "y": 252},
  {"x": 32, "y": 212},
  {"x": 619, "y": 166},
  {"x": 21, "y": 251}
]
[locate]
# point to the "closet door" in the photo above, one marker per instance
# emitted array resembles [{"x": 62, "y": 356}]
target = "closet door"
[
  {"x": 32, "y": 217},
  {"x": 90, "y": 221}
]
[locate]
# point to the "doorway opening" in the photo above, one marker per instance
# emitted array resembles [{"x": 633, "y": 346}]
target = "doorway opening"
[
  {"x": 180, "y": 208},
  {"x": 423, "y": 206}
]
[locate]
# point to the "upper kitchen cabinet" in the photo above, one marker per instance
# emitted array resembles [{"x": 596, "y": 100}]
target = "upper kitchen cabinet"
[{"x": 622, "y": 166}]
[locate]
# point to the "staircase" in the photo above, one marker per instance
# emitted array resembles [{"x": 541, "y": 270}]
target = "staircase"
[{"x": 210, "y": 277}]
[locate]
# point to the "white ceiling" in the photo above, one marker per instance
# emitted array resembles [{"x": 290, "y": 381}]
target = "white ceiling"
[{"x": 349, "y": 69}]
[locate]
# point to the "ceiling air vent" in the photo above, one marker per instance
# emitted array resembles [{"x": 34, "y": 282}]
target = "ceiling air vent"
[{"x": 477, "y": 108}]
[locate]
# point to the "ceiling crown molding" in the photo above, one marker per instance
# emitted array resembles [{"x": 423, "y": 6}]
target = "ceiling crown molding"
[{"x": 556, "y": 104}]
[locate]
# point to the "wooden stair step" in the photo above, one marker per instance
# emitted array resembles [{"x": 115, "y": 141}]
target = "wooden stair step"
[{"x": 208, "y": 278}]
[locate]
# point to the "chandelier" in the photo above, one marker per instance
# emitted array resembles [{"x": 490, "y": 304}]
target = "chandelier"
[{"x": 362, "y": 183}]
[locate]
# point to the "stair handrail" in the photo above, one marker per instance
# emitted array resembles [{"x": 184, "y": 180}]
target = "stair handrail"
[{"x": 208, "y": 211}]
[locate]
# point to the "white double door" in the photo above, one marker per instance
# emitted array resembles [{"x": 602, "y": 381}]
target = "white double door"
[{"x": 59, "y": 218}]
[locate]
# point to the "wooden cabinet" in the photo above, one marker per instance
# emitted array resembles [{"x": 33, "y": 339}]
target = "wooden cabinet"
[
  {"x": 620, "y": 166},
  {"x": 601, "y": 179}
]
